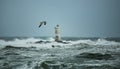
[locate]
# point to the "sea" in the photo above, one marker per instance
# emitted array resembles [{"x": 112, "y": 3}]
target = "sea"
[{"x": 70, "y": 53}]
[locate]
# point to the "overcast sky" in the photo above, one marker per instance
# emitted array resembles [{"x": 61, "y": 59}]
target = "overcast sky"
[{"x": 78, "y": 18}]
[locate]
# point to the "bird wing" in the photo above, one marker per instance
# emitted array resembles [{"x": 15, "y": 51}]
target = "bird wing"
[
  {"x": 40, "y": 24},
  {"x": 44, "y": 22}
]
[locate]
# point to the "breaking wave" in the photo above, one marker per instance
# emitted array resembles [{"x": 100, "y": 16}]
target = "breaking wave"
[
  {"x": 97, "y": 42},
  {"x": 45, "y": 53},
  {"x": 32, "y": 40}
]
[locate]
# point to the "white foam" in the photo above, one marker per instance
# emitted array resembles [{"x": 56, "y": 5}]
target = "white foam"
[
  {"x": 97, "y": 42},
  {"x": 31, "y": 42},
  {"x": 105, "y": 42},
  {"x": 17, "y": 41}
]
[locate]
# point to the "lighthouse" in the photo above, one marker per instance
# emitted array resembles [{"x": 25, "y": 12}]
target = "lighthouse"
[{"x": 57, "y": 34}]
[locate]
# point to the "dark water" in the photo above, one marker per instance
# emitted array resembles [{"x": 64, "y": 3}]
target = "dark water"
[{"x": 73, "y": 53}]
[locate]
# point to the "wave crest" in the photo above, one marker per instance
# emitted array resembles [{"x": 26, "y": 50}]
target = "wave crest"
[{"x": 26, "y": 41}]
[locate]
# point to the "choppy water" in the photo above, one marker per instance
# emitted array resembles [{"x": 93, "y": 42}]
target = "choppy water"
[{"x": 73, "y": 53}]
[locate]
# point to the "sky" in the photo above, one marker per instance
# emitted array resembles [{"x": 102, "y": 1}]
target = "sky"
[{"x": 77, "y": 18}]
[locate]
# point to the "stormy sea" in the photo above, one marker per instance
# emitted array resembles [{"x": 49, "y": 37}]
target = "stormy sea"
[{"x": 70, "y": 53}]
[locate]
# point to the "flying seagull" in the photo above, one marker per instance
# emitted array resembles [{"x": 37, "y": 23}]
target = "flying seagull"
[{"x": 42, "y": 23}]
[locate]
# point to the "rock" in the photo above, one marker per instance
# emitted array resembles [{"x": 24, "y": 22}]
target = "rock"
[
  {"x": 39, "y": 42},
  {"x": 43, "y": 42},
  {"x": 63, "y": 42}
]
